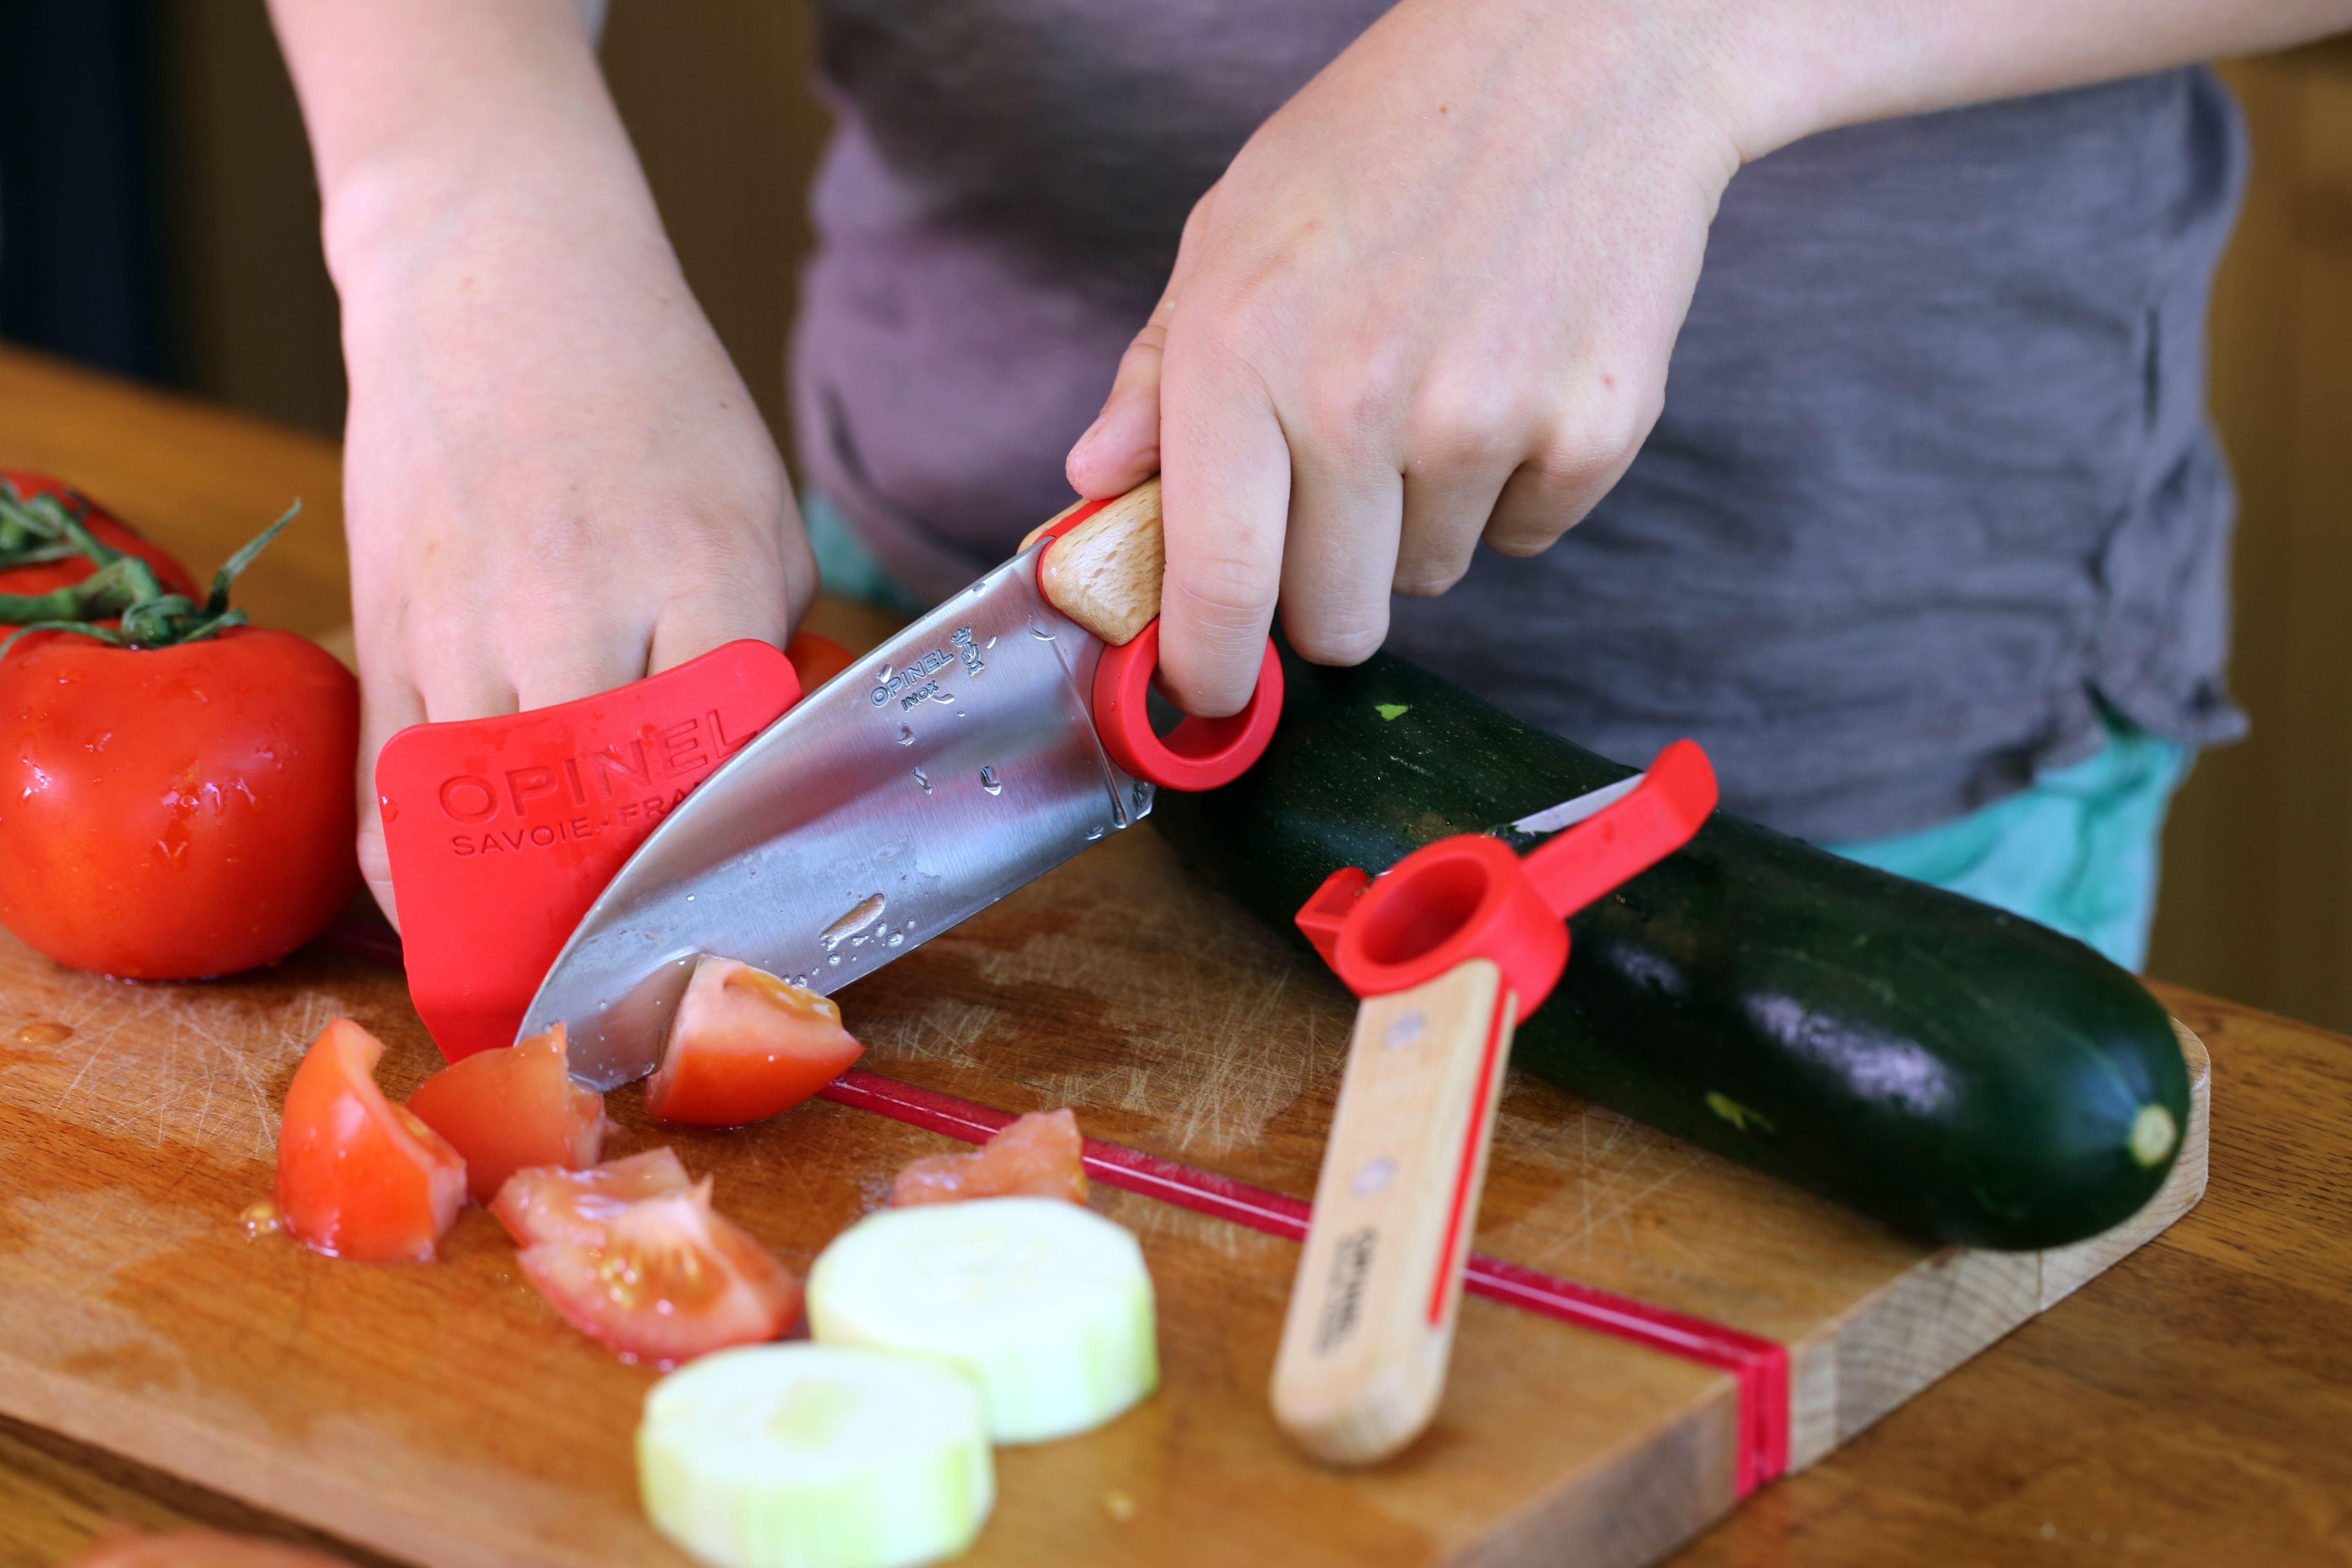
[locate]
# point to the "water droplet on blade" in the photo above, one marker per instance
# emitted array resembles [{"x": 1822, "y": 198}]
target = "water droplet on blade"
[
  {"x": 868, "y": 910},
  {"x": 1096, "y": 831},
  {"x": 906, "y": 736},
  {"x": 1037, "y": 629},
  {"x": 990, "y": 782},
  {"x": 922, "y": 780}
]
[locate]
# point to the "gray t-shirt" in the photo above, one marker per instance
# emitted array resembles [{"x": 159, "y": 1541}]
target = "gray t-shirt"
[{"x": 1934, "y": 478}]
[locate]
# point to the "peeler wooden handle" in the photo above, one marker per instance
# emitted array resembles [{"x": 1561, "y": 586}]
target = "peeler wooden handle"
[
  {"x": 1103, "y": 570},
  {"x": 1371, "y": 1325}
]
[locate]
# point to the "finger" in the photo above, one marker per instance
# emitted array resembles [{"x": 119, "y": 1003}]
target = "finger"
[
  {"x": 1122, "y": 448},
  {"x": 1340, "y": 554},
  {"x": 1548, "y": 496},
  {"x": 1579, "y": 454},
  {"x": 1464, "y": 439},
  {"x": 1224, "y": 500},
  {"x": 386, "y": 706},
  {"x": 1446, "y": 511},
  {"x": 760, "y": 588},
  {"x": 688, "y": 629},
  {"x": 457, "y": 675}
]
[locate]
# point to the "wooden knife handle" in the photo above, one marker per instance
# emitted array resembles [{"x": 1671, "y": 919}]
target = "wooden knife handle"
[
  {"x": 1104, "y": 574},
  {"x": 1371, "y": 1326}
]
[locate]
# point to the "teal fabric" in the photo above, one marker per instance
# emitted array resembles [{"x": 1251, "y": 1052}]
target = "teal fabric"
[
  {"x": 845, "y": 567},
  {"x": 2076, "y": 850}
]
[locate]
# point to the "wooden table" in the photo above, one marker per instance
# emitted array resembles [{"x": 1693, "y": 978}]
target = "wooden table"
[{"x": 2194, "y": 1405}]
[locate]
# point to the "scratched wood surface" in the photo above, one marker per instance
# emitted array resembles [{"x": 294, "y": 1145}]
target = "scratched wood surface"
[
  {"x": 443, "y": 1414},
  {"x": 2068, "y": 1439}
]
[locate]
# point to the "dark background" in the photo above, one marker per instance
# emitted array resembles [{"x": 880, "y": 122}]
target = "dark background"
[{"x": 158, "y": 218}]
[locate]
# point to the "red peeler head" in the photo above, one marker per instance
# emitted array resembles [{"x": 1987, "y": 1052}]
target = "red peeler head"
[
  {"x": 1460, "y": 898},
  {"x": 1470, "y": 896}
]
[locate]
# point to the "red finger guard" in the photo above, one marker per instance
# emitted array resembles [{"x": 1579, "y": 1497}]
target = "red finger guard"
[
  {"x": 502, "y": 831},
  {"x": 1470, "y": 896},
  {"x": 1199, "y": 754}
]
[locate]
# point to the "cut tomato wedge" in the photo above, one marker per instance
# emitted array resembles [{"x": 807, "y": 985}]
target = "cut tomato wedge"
[
  {"x": 548, "y": 1203},
  {"x": 359, "y": 1177},
  {"x": 1039, "y": 1155},
  {"x": 505, "y": 1109},
  {"x": 669, "y": 1280},
  {"x": 745, "y": 1045}
]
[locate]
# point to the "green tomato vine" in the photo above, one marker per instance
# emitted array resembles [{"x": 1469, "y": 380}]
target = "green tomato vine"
[{"x": 124, "y": 588}]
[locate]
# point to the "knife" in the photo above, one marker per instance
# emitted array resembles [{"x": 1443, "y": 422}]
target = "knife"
[{"x": 988, "y": 742}]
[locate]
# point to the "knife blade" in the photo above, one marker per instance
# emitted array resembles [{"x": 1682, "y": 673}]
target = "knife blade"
[{"x": 955, "y": 763}]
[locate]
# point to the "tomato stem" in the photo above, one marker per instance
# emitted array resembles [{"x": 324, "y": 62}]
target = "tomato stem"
[
  {"x": 124, "y": 587},
  {"x": 43, "y": 528}
]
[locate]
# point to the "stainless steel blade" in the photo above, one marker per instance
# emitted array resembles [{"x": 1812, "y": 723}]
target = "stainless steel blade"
[
  {"x": 954, "y": 764},
  {"x": 1576, "y": 808}
]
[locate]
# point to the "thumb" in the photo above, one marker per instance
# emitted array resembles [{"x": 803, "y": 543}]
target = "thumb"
[{"x": 1122, "y": 448}]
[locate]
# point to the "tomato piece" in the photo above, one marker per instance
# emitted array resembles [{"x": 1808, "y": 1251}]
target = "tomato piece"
[
  {"x": 745, "y": 1045},
  {"x": 1039, "y": 1155},
  {"x": 359, "y": 1177},
  {"x": 546, "y": 1203},
  {"x": 122, "y": 1547},
  {"x": 176, "y": 812},
  {"x": 513, "y": 1106},
  {"x": 670, "y": 1279},
  {"x": 815, "y": 658}
]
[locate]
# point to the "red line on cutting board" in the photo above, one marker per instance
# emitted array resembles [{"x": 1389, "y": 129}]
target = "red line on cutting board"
[{"x": 1759, "y": 1365}]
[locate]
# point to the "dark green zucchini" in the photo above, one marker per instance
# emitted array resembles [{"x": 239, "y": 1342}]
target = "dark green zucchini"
[{"x": 1958, "y": 1072}]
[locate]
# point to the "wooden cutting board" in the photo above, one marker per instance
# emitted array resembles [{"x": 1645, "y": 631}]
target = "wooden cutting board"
[{"x": 444, "y": 1414}]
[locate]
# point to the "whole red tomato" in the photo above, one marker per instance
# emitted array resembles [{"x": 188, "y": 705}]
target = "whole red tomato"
[
  {"x": 40, "y": 576},
  {"x": 176, "y": 812}
]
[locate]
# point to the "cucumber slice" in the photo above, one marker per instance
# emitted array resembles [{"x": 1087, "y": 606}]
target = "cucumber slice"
[
  {"x": 1045, "y": 1305},
  {"x": 800, "y": 1456}
]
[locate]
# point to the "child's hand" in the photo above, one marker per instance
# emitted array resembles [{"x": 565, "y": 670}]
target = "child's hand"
[
  {"x": 1432, "y": 301},
  {"x": 554, "y": 482}
]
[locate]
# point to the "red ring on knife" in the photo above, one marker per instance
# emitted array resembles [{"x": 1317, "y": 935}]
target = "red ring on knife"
[{"x": 1199, "y": 754}]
